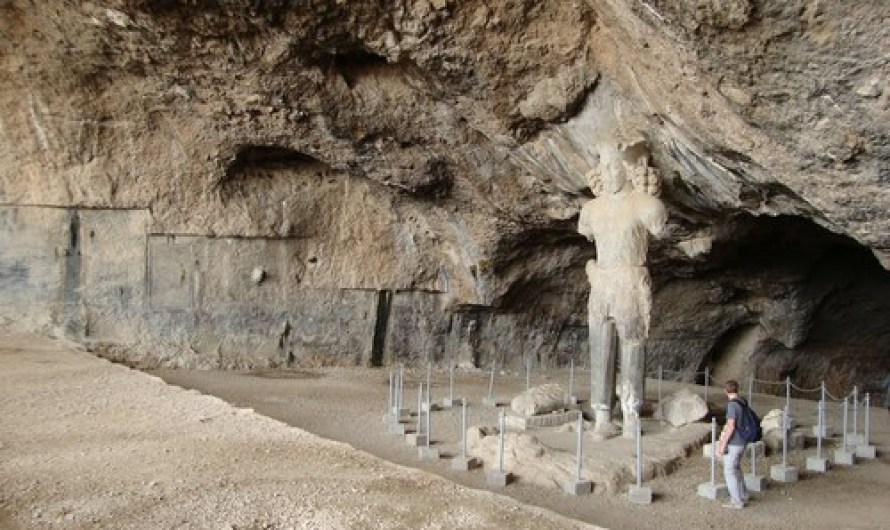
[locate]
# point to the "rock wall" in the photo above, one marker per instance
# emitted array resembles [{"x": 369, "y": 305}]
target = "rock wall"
[{"x": 407, "y": 176}]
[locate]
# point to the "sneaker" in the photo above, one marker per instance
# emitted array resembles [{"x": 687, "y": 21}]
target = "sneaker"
[{"x": 734, "y": 506}]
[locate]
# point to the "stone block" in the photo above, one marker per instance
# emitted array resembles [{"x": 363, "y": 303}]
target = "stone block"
[
  {"x": 817, "y": 465},
  {"x": 713, "y": 491},
  {"x": 681, "y": 408},
  {"x": 490, "y": 402},
  {"x": 639, "y": 494},
  {"x": 415, "y": 440},
  {"x": 577, "y": 487},
  {"x": 464, "y": 463},
  {"x": 497, "y": 479},
  {"x": 783, "y": 473},
  {"x": 554, "y": 419},
  {"x": 539, "y": 400},
  {"x": 866, "y": 451},
  {"x": 855, "y": 439},
  {"x": 755, "y": 482},
  {"x": 428, "y": 453},
  {"x": 842, "y": 457},
  {"x": 756, "y": 448},
  {"x": 571, "y": 401}
]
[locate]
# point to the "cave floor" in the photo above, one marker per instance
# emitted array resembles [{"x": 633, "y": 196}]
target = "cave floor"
[
  {"x": 347, "y": 404},
  {"x": 89, "y": 444}
]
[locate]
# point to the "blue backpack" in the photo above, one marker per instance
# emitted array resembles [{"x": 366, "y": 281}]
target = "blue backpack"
[{"x": 748, "y": 424}]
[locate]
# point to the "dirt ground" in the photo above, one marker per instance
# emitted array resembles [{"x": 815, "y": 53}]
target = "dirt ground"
[{"x": 88, "y": 444}]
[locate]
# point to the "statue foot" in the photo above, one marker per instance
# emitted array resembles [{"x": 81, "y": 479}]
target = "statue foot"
[{"x": 603, "y": 428}]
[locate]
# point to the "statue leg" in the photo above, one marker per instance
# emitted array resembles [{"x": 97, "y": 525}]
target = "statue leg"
[
  {"x": 602, "y": 376},
  {"x": 632, "y": 379}
]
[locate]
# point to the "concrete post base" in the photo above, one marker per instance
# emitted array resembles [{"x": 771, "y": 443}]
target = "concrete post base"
[
  {"x": 571, "y": 400},
  {"x": 397, "y": 428},
  {"x": 713, "y": 491},
  {"x": 781, "y": 473},
  {"x": 490, "y": 402},
  {"x": 827, "y": 432},
  {"x": 447, "y": 403},
  {"x": 497, "y": 479},
  {"x": 428, "y": 453},
  {"x": 577, "y": 487},
  {"x": 639, "y": 494},
  {"x": 855, "y": 439},
  {"x": 415, "y": 440},
  {"x": 755, "y": 482},
  {"x": 842, "y": 457},
  {"x": 817, "y": 465},
  {"x": 464, "y": 463},
  {"x": 866, "y": 451}
]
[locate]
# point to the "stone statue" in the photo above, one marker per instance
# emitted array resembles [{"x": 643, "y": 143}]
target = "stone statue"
[{"x": 619, "y": 221}]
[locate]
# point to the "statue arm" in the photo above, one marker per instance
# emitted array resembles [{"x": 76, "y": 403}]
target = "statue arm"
[{"x": 654, "y": 216}]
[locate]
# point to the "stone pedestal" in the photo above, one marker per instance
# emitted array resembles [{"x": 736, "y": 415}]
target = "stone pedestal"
[
  {"x": 415, "y": 440},
  {"x": 755, "y": 482},
  {"x": 464, "y": 463},
  {"x": 782, "y": 473},
  {"x": 639, "y": 494},
  {"x": 577, "y": 487},
  {"x": 713, "y": 491},
  {"x": 866, "y": 451},
  {"x": 428, "y": 453},
  {"x": 817, "y": 465},
  {"x": 843, "y": 457},
  {"x": 497, "y": 479}
]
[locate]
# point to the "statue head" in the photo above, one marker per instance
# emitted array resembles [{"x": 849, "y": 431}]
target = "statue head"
[{"x": 613, "y": 175}]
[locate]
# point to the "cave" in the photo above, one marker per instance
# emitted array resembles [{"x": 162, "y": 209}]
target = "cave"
[{"x": 332, "y": 193}]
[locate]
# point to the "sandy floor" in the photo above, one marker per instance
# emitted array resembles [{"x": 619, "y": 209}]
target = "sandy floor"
[{"x": 87, "y": 444}]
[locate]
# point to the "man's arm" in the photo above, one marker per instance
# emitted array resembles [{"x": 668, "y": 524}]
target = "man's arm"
[{"x": 726, "y": 435}]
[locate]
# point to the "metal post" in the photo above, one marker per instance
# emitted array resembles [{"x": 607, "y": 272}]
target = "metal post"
[
  {"x": 855, "y": 411},
  {"x": 572, "y": 379},
  {"x": 429, "y": 382},
  {"x": 491, "y": 382},
  {"x": 501, "y": 427},
  {"x": 429, "y": 415},
  {"x": 786, "y": 424},
  {"x": 787, "y": 393},
  {"x": 463, "y": 430},
  {"x": 580, "y": 443},
  {"x": 821, "y": 428},
  {"x": 419, "y": 408},
  {"x": 639, "y": 454},
  {"x": 401, "y": 391},
  {"x": 713, "y": 451},
  {"x": 392, "y": 394},
  {"x": 867, "y": 418},
  {"x": 846, "y": 402},
  {"x": 753, "y": 460}
]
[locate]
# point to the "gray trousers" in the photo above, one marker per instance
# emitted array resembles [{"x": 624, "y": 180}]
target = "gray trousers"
[{"x": 732, "y": 473}]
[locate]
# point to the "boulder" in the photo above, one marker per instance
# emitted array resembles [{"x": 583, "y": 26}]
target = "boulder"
[
  {"x": 681, "y": 408},
  {"x": 773, "y": 439},
  {"x": 540, "y": 400},
  {"x": 773, "y": 420}
]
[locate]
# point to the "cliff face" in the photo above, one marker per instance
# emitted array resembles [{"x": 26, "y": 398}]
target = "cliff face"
[{"x": 260, "y": 182}]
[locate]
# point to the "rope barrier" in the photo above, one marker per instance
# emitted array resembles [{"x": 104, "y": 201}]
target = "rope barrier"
[
  {"x": 799, "y": 389},
  {"x": 765, "y": 382}
]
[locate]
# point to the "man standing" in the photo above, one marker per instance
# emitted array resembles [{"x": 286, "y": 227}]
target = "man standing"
[{"x": 732, "y": 447}]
